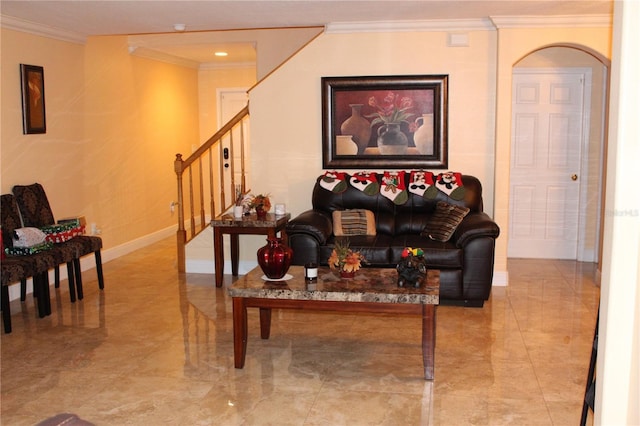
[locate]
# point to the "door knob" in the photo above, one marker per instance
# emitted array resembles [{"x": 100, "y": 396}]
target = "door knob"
[{"x": 574, "y": 177}]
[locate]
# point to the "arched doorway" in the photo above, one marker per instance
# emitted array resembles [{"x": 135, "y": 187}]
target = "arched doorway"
[{"x": 557, "y": 154}]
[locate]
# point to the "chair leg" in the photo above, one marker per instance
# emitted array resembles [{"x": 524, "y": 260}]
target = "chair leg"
[
  {"x": 57, "y": 276},
  {"x": 38, "y": 291},
  {"x": 23, "y": 290},
  {"x": 6, "y": 309},
  {"x": 78, "y": 276},
  {"x": 99, "y": 269},
  {"x": 72, "y": 284}
]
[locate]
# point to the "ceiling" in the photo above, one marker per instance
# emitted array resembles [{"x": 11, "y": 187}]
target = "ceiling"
[{"x": 112, "y": 17}]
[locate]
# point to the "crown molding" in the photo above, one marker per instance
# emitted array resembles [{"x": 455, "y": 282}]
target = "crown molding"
[
  {"x": 567, "y": 21},
  {"x": 16, "y": 24},
  {"x": 226, "y": 65},
  {"x": 409, "y": 26},
  {"x": 144, "y": 52}
]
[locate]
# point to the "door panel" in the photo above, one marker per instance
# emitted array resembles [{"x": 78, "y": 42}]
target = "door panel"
[{"x": 547, "y": 123}]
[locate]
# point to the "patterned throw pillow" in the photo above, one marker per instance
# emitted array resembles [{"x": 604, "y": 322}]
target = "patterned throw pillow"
[
  {"x": 353, "y": 222},
  {"x": 444, "y": 221}
]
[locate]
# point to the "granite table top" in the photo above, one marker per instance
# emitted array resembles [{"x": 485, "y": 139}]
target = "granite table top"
[
  {"x": 251, "y": 220},
  {"x": 378, "y": 285}
]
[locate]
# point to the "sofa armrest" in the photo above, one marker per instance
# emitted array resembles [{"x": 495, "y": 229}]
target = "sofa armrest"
[
  {"x": 312, "y": 222},
  {"x": 475, "y": 225}
]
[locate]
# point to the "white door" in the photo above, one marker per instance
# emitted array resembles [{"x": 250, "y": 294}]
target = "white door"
[
  {"x": 546, "y": 138},
  {"x": 231, "y": 101}
]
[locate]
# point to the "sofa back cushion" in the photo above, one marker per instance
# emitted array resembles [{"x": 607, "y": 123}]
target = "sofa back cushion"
[
  {"x": 410, "y": 217},
  {"x": 444, "y": 221}
]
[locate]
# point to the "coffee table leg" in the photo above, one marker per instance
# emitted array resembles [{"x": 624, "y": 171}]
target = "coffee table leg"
[
  {"x": 428, "y": 339},
  {"x": 239, "y": 331},
  {"x": 265, "y": 322}
]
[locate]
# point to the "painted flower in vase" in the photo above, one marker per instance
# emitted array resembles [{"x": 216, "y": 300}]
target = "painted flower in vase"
[
  {"x": 344, "y": 260},
  {"x": 394, "y": 108}
]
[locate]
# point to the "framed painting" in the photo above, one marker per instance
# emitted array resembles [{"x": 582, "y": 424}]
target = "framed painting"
[
  {"x": 384, "y": 122},
  {"x": 33, "y": 112}
]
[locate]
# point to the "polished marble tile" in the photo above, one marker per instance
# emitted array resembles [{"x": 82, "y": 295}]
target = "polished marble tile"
[{"x": 155, "y": 347}]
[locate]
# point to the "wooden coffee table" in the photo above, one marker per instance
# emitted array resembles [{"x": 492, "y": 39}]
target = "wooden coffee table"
[{"x": 373, "y": 290}]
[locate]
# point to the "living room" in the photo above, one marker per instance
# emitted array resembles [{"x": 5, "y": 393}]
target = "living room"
[{"x": 116, "y": 121}]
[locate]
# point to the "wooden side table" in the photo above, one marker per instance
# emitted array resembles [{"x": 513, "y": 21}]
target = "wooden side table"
[{"x": 247, "y": 225}]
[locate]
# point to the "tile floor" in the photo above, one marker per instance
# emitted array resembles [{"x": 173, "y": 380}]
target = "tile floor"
[{"x": 156, "y": 348}]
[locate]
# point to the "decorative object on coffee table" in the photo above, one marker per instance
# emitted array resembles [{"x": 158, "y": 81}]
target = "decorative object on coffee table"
[
  {"x": 275, "y": 258},
  {"x": 311, "y": 272},
  {"x": 261, "y": 204},
  {"x": 344, "y": 260},
  {"x": 412, "y": 269}
]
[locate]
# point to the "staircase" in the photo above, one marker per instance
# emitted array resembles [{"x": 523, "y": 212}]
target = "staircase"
[{"x": 203, "y": 190}]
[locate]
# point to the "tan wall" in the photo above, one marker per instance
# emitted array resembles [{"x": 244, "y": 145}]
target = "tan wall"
[
  {"x": 514, "y": 45},
  {"x": 209, "y": 82},
  {"x": 286, "y": 117},
  {"x": 618, "y": 366},
  {"x": 286, "y": 107},
  {"x": 51, "y": 158},
  {"x": 115, "y": 123}
]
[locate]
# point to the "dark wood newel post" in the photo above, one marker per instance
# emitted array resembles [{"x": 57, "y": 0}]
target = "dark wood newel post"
[{"x": 181, "y": 234}]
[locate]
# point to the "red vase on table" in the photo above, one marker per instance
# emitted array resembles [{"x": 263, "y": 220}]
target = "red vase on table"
[
  {"x": 261, "y": 213},
  {"x": 275, "y": 258}
]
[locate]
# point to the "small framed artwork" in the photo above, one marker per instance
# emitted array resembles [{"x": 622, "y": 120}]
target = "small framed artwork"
[
  {"x": 384, "y": 122},
  {"x": 33, "y": 111}
]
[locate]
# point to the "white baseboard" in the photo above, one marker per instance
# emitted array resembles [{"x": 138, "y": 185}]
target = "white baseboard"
[
  {"x": 89, "y": 261},
  {"x": 204, "y": 266},
  {"x": 500, "y": 279}
]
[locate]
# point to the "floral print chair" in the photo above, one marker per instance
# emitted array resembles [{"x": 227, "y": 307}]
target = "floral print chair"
[{"x": 36, "y": 211}]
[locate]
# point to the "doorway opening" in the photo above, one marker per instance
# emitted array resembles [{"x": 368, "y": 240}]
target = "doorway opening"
[{"x": 557, "y": 155}]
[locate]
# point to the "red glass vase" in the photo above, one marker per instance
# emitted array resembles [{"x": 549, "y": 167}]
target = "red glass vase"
[
  {"x": 261, "y": 212},
  {"x": 275, "y": 258}
]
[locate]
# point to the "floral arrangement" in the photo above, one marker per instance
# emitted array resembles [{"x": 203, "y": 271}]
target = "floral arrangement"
[
  {"x": 344, "y": 259},
  {"x": 259, "y": 202},
  {"x": 393, "y": 109}
]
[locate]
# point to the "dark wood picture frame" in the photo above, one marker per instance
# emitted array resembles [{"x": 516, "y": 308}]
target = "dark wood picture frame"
[
  {"x": 350, "y": 104},
  {"x": 34, "y": 118}
]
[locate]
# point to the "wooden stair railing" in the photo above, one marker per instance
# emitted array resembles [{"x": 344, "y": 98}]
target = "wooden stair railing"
[{"x": 216, "y": 188}]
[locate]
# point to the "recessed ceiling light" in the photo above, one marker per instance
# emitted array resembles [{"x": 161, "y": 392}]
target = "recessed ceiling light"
[
  {"x": 179, "y": 27},
  {"x": 221, "y": 53}
]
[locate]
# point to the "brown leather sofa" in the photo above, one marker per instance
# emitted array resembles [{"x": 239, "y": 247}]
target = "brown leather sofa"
[{"x": 465, "y": 261}]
